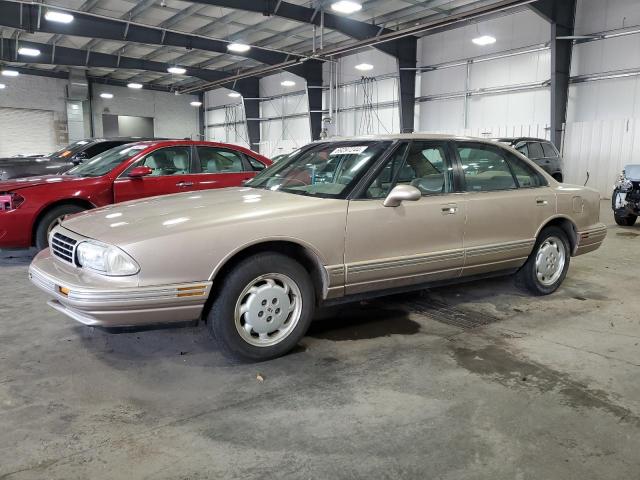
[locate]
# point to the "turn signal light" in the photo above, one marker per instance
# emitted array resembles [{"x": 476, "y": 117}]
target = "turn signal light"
[{"x": 64, "y": 290}]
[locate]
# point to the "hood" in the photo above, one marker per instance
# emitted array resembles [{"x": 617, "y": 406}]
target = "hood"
[
  {"x": 20, "y": 183},
  {"x": 135, "y": 221}
]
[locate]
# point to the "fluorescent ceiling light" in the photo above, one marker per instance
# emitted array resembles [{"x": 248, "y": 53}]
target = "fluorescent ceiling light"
[
  {"x": 2, "y": 86},
  {"x": 235, "y": 95},
  {"x": 10, "y": 73},
  {"x": 346, "y": 6},
  {"x": 484, "y": 40},
  {"x": 238, "y": 47},
  {"x": 136, "y": 86},
  {"x": 364, "y": 67},
  {"x": 106, "y": 95},
  {"x": 177, "y": 70},
  {"x": 287, "y": 83},
  {"x": 29, "y": 52},
  {"x": 59, "y": 17},
  {"x": 196, "y": 104}
]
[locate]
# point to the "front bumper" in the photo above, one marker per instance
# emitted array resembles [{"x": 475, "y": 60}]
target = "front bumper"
[
  {"x": 104, "y": 303},
  {"x": 591, "y": 239}
]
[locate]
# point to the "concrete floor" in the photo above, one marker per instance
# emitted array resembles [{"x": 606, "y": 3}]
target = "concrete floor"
[{"x": 549, "y": 390}]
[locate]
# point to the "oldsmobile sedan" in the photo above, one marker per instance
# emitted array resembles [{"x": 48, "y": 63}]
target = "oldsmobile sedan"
[{"x": 336, "y": 221}]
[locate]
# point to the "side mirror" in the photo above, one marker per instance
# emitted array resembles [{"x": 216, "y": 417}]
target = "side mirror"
[
  {"x": 402, "y": 193},
  {"x": 139, "y": 172}
]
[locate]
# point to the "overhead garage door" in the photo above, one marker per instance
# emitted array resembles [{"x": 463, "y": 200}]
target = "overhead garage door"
[{"x": 26, "y": 132}]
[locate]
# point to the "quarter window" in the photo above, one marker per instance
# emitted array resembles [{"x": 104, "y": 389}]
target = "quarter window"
[
  {"x": 485, "y": 169},
  {"x": 535, "y": 151},
  {"x": 219, "y": 160},
  {"x": 523, "y": 149},
  {"x": 549, "y": 150},
  {"x": 527, "y": 177},
  {"x": 255, "y": 164}
]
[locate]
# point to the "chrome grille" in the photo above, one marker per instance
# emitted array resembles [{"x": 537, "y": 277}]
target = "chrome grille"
[{"x": 63, "y": 247}]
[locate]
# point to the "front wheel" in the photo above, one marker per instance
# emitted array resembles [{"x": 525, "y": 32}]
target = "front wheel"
[
  {"x": 50, "y": 220},
  {"x": 263, "y": 309},
  {"x": 625, "y": 220},
  {"x": 546, "y": 267}
]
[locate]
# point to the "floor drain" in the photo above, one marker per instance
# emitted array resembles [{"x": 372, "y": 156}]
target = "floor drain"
[{"x": 448, "y": 314}]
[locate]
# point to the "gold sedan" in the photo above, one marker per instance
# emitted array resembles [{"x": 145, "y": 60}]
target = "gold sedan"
[{"x": 335, "y": 221}]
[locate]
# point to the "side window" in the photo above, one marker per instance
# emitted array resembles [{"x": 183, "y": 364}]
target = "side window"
[
  {"x": 219, "y": 160},
  {"x": 420, "y": 164},
  {"x": 527, "y": 177},
  {"x": 535, "y": 151},
  {"x": 255, "y": 164},
  {"x": 549, "y": 150},
  {"x": 168, "y": 161},
  {"x": 523, "y": 149},
  {"x": 485, "y": 169}
]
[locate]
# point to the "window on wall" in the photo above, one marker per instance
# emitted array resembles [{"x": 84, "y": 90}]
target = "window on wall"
[{"x": 485, "y": 169}]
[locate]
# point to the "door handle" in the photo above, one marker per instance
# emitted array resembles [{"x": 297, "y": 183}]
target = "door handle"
[
  {"x": 450, "y": 209},
  {"x": 541, "y": 202},
  {"x": 184, "y": 184}
]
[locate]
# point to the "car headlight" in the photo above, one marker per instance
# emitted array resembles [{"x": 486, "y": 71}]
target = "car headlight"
[
  {"x": 105, "y": 259},
  {"x": 623, "y": 183}
]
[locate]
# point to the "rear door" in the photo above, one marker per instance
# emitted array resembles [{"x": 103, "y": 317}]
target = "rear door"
[
  {"x": 507, "y": 201},
  {"x": 171, "y": 173},
  {"x": 219, "y": 167}
]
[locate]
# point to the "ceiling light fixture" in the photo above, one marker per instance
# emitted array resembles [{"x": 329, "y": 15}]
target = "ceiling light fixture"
[
  {"x": 238, "y": 47},
  {"x": 364, "y": 67},
  {"x": 135, "y": 86},
  {"x": 346, "y": 6},
  {"x": 106, "y": 95},
  {"x": 29, "y": 52},
  {"x": 484, "y": 40},
  {"x": 235, "y": 95},
  {"x": 2, "y": 86},
  {"x": 59, "y": 17},
  {"x": 10, "y": 73},
  {"x": 287, "y": 83},
  {"x": 177, "y": 70},
  {"x": 196, "y": 104}
]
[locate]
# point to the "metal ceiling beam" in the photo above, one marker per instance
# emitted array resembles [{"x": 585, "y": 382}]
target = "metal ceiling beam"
[
  {"x": 561, "y": 15},
  {"x": 86, "y": 58},
  {"x": 30, "y": 17}
]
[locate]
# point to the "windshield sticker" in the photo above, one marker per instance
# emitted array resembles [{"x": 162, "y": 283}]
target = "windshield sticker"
[{"x": 349, "y": 150}]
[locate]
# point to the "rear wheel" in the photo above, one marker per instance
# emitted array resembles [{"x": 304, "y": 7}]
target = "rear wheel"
[
  {"x": 263, "y": 309},
  {"x": 50, "y": 220},
  {"x": 626, "y": 220},
  {"x": 546, "y": 267}
]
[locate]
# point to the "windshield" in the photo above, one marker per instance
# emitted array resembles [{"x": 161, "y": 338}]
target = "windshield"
[
  {"x": 325, "y": 170},
  {"x": 70, "y": 150},
  {"x": 103, "y": 164}
]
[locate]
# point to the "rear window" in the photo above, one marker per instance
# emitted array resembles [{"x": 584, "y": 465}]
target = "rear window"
[{"x": 549, "y": 150}]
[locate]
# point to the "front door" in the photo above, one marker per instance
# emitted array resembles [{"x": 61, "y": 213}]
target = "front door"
[
  {"x": 507, "y": 201},
  {"x": 170, "y": 173},
  {"x": 416, "y": 242}
]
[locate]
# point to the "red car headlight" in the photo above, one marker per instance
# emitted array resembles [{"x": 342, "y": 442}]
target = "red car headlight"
[{"x": 10, "y": 201}]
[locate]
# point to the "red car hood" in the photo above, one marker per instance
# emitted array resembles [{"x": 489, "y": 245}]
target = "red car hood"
[{"x": 20, "y": 183}]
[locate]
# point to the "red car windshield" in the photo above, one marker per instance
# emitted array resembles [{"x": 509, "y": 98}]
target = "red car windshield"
[{"x": 103, "y": 164}]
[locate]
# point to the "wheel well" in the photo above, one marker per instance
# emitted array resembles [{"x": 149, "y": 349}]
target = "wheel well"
[
  {"x": 77, "y": 201},
  {"x": 302, "y": 255},
  {"x": 568, "y": 227}
]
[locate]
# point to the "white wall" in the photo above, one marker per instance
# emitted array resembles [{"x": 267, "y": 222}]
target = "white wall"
[
  {"x": 224, "y": 108},
  {"x": 490, "y": 114},
  {"x": 172, "y": 114}
]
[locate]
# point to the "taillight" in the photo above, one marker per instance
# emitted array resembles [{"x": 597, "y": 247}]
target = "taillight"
[{"x": 10, "y": 201}]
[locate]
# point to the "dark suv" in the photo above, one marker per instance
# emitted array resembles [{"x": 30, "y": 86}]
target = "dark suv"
[
  {"x": 541, "y": 151},
  {"x": 62, "y": 160}
]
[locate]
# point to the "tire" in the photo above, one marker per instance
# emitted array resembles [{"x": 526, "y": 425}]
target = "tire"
[
  {"x": 264, "y": 331},
  {"x": 626, "y": 220},
  {"x": 50, "y": 220},
  {"x": 544, "y": 281}
]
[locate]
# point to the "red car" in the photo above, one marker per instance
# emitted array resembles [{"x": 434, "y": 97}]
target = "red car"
[{"x": 31, "y": 207}]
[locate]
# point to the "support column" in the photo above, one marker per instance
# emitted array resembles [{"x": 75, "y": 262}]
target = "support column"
[
  {"x": 561, "y": 14},
  {"x": 249, "y": 88},
  {"x": 313, "y": 76},
  {"x": 202, "y": 117},
  {"x": 407, "y": 52}
]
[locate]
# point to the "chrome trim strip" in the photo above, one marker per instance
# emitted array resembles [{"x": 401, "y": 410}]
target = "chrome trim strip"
[
  {"x": 404, "y": 262},
  {"x": 499, "y": 248}
]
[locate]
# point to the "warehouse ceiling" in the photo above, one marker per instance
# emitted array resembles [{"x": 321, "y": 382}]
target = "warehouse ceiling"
[{"x": 272, "y": 33}]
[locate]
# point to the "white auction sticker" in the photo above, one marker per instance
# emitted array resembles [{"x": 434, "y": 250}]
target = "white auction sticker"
[{"x": 349, "y": 150}]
